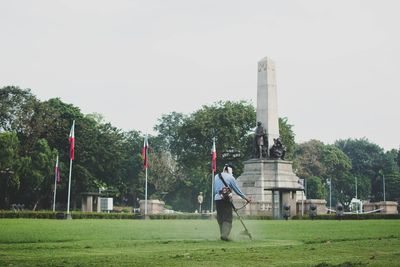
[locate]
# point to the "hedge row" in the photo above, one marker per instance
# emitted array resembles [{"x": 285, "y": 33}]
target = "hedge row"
[
  {"x": 365, "y": 216},
  {"x": 60, "y": 215},
  {"x": 265, "y": 217},
  {"x": 183, "y": 216}
]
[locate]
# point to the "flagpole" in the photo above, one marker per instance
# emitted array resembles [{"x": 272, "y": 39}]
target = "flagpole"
[
  {"x": 71, "y": 140},
  {"x": 213, "y": 169},
  {"x": 69, "y": 185},
  {"x": 145, "y": 162},
  {"x": 55, "y": 185},
  {"x": 212, "y": 191},
  {"x": 145, "y": 198}
]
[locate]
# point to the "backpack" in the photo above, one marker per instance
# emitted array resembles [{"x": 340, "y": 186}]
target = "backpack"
[{"x": 225, "y": 192}]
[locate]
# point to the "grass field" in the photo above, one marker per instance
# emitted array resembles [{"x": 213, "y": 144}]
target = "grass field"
[{"x": 30, "y": 242}]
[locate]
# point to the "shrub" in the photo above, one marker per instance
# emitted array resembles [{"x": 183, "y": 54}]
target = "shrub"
[
  {"x": 60, "y": 215},
  {"x": 364, "y": 216},
  {"x": 178, "y": 216}
]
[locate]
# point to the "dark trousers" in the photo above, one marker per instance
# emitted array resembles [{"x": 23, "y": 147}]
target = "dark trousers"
[{"x": 224, "y": 217}]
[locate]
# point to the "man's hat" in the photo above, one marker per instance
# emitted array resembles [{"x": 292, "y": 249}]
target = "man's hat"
[{"x": 230, "y": 165}]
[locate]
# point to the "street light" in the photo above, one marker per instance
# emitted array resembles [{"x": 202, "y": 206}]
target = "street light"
[
  {"x": 384, "y": 193},
  {"x": 329, "y": 182},
  {"x": 301, "y": 182},
  {"x": 356, "y": 186},
  {"x": 383, "y": 185}
]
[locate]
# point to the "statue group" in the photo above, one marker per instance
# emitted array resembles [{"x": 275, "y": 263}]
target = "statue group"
[{"x": 277, "y": 150}]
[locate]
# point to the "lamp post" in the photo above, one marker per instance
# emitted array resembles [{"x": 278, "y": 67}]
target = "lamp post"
[
  {"x": 329, "y": 182},
  {"x": 356, "y": 187},
  {"x": 301, "y": 181},
  {"x": 383, "y": 184},
  {"x": 305, "y": 187},
  {"x": 384, "y": 193}
]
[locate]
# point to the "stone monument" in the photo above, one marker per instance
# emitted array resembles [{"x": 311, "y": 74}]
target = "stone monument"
[
  {"x": 267, "y": 101},
  {"x": 268, "y": 181}
]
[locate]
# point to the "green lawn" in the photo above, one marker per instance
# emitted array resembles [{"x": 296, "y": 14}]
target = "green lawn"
[{"x": 40, "y": 242}]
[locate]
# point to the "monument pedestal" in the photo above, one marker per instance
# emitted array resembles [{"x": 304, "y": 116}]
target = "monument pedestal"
[
  {"x": 154, "y": 206},
  {"x": 271, "y": 184}
]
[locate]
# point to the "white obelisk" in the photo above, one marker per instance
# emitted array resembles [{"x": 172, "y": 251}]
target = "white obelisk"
[{"x": 267, "y": 100}]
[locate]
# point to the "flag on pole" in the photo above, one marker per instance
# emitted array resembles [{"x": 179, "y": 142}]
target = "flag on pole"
[
  {"x": 213, "y": 157},
  {"x": 71, "y": 140},
  {"x": 57, "y": 171},
  {"x": 145, "y": 153}
]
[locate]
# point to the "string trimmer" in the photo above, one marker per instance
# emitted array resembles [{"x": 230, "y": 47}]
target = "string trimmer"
[{"x": 246, "y": 231}]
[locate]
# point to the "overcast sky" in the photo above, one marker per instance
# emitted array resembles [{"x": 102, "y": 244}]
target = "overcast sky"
[{"x": 337, "y": 62}]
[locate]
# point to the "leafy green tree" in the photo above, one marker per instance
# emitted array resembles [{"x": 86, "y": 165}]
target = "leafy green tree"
[
  {"x": 391, "y": 171},
  {"x": 101, "y": 150},
  {"x": 168, "y": 128},
  {"x": 104, "y": 154},
  {"x": 162, "y": 174},
  {"x": 393, "y": 187},
  {"x": 37, "y": 179},
  {"x": 315, "y": 188},
  {"x": 343, "y": 189},
  {"x": 118, "y": 162},
  {"x": 53, "y": 120},
  {"x": 130, "y": 185},
  {"x": 287, "y": 137},
  {"x": 390, "y": 161},
  {"x": 308, "y": 159},
  {"x": 315, "y": 159},
  {"x": 9, "y": 168},
  {"x": 367, "y": 160},
  {"x": 16, "y": 109}
]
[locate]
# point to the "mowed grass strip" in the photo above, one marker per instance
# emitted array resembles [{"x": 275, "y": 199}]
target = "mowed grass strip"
[{"x": 30, "y": 242}]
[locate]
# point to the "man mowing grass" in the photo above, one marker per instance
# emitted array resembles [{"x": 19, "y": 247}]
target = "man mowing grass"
[{"x": 224, "y": 183}]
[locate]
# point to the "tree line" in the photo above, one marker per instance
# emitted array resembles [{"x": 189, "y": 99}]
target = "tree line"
[{"x": 34, "y": 132}]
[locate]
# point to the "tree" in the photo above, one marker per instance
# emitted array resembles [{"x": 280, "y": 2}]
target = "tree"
[
  {"x": 16, "y": 110},
  {"x": 398, "y": 158},
  {"x": 308, "y": 159},
  {"x": 130, "y": 184},
  {"x": 317, "y": 160},
  {"x": 367, "y": 161},
  {"x": 393, "y": 187},
  {"x": 104, "y": 155},
  {"x": 390, "y": 161},
  {"x": 315, "y": 188},
  {"x": 287, "y": 136},
  {"x": 37, "y": 179},
  {"x": 163, "y": 174},
  {"x": 168, "y": 130},
  {"x": 9, "y": 168}
]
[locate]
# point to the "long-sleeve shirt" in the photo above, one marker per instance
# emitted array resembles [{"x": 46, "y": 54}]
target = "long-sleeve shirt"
[{"x": 230, "y": 181}]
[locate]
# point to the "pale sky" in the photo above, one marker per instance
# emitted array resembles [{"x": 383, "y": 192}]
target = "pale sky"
[{"x": 337, "y": 62}]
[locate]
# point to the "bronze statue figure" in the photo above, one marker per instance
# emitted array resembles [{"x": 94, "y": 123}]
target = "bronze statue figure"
[
  {"x": 278, "y": 150},
  {"x": 260, "y": 142}
]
